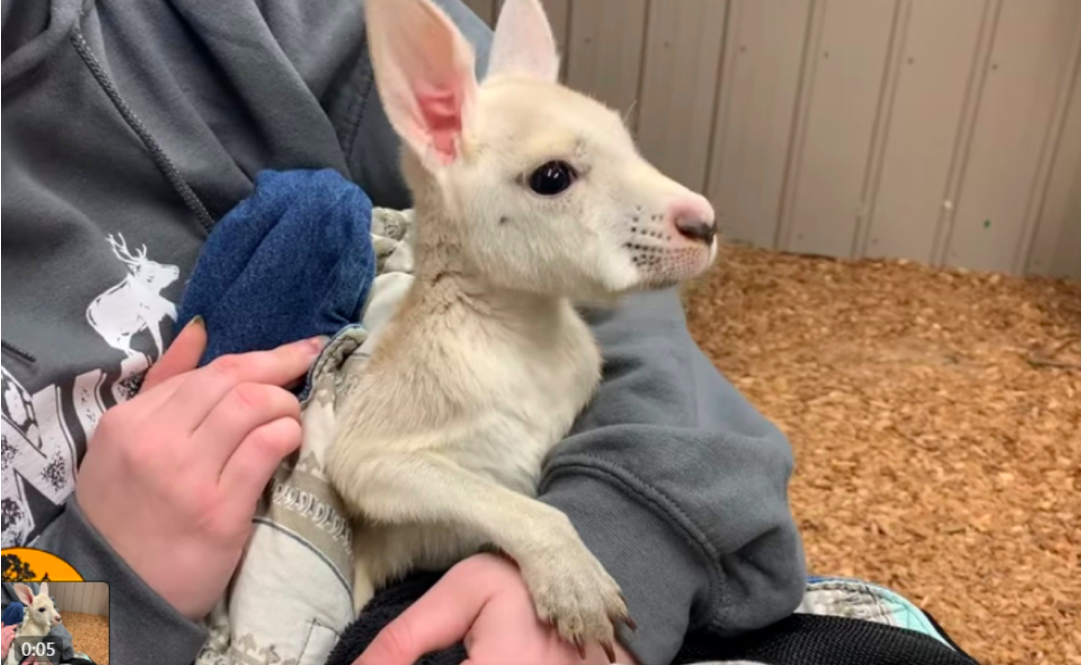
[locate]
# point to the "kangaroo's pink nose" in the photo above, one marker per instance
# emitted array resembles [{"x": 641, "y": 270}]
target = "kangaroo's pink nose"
[{"x": 693, "y": 218}]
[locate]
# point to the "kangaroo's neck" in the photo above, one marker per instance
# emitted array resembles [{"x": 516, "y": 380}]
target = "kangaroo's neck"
[
  {"x": 445, "y": 276},
  {"x": 33, "y": 629}
]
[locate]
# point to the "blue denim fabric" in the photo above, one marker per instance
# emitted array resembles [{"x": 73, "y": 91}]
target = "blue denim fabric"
[
  {"x": 292, "y": 261},
  {"x": 13, "y": 614}
]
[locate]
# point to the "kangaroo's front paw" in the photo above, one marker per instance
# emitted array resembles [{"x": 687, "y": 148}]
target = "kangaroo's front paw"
[{"x": 572, "y": 591}]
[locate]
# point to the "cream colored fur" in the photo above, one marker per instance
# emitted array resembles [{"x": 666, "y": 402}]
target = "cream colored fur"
[
  {"x": 39, "y": 616},
  {"x": 487, "y": 348}
]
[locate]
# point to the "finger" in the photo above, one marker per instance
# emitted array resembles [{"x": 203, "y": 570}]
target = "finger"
[
  {"x": 440, "y": 619},
  {"x": 182, "y": 355},
  {"x": 254, "y": 461},
  {"x": 508, "y": 630},
  {"x": 202, "y": 389},
  {"x": 246, "y": 408}
]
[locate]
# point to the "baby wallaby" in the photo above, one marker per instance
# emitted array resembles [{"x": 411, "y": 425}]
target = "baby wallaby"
[
  {"x": 39, "y": 617},
  {"x": 528, "y": 197}
]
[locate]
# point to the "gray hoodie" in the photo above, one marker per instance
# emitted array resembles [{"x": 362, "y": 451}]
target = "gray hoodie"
[{"x": 130, "y": 127}]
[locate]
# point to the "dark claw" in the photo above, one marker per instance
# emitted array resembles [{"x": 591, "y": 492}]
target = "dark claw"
[
  {"x": 581, "y": 646},
  {"x": 630, "y": 623},
  {"x": 610, "y": 651}
]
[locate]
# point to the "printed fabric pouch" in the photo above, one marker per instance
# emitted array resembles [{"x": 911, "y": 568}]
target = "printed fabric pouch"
[
  {"x": 304, "y": 255},
  {"x": 841, "y": 621}
]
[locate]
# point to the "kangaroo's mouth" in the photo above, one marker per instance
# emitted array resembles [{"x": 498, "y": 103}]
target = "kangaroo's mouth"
[{"x": 663, "y": 258}]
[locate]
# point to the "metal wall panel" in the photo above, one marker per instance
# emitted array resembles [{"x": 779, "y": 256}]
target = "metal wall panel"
[
  {"x": 937, "y": 131},
  {"x": 1056, "y": 249},
  {"x": 925, "y": 112},
  {"x": 679, "y": 86},
  {"x": 84, "y": 597},
  {"x": 605, "y": 45},
  {"x": 1032, "y": 55},
  {"x": 845, "y": 70},
  {"x": 753, "y": 125}
]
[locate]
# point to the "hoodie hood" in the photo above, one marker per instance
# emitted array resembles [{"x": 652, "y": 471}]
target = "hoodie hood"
[{"x": 33, "y": 30}]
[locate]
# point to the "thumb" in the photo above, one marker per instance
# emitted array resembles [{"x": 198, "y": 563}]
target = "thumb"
[
  {"x": 182, "y": 355},
  {"x": 440, "y": 619}
]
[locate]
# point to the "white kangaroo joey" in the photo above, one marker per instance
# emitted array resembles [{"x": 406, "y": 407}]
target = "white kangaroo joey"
[
  {"x": 528, "y": 198},
  {"x": 39, "y": 616}
]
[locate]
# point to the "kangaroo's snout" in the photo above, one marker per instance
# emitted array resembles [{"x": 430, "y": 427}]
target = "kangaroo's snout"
[{"x": 693, "y": 219}]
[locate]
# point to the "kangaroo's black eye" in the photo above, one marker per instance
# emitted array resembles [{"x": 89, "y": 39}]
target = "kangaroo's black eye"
[
  {"x": 552, "y": 178},
  {"x": 41, "y": 609}
]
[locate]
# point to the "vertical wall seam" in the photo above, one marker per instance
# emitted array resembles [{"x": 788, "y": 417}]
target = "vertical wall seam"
[
  {"x": 876, "y": 156},
  {"x": 566, "y": 45},
  {"x": 966, "y": 130},
  {"x": 642, "y": 55},
  {"x": 714, "y": 116},
  {"x": 816, "y": 14},
  {"x": 1048, "y": 152}
]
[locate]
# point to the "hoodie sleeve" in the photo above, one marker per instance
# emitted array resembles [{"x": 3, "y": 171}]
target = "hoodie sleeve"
[
  {"x": 678, "y": 486},
  {"x": 144, "y": 628}
]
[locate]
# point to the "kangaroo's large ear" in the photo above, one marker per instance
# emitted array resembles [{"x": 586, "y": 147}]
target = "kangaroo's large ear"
[
  {"x": 25, "y": 594},
  {"x": 424, "y": 70},
  {"x": 43, "y": 589},
  {"x": 523, "y": 44}
]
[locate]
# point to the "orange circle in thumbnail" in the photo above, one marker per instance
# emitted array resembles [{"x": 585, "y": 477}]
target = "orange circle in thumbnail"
[{"x": 26, "y": 564}]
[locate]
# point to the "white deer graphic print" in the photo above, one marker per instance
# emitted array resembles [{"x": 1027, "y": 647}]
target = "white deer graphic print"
[
  {"x": 135, "y": 304},
  {"x": 42, "y": 428},
  {"x": 37, "y": 451}
]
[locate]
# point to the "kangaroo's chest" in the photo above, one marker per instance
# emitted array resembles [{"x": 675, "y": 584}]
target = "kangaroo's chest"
[{"x": 529, "y": 387}]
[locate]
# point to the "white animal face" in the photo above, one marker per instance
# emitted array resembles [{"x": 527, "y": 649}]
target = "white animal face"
[
  {"x": 556, "y": 198},
  {"x": 39, "y": 608},
  {"x": 544, "y": 185}
]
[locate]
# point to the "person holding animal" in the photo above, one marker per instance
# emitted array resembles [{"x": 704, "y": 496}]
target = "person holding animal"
[
  {"x": 669, "y": 482},
  {"x": 40, "y": 618}
]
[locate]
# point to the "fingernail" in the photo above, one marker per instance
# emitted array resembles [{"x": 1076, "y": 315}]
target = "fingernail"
[
  {"x": 317, "y": 344},
  {"x": 197, "y": 320}
]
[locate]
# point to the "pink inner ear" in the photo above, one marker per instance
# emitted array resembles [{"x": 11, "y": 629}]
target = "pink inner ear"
[{"x": 442, "y": 113}]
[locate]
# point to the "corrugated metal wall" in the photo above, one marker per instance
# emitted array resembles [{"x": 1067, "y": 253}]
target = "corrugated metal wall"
[
  {"x": 944, "y": 131},
  {"x": 85, "y": 597}
]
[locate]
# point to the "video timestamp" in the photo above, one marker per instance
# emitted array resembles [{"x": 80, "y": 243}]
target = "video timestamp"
[{"x": 47, "y": 649}]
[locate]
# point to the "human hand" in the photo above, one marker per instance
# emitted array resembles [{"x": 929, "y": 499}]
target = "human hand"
[
  {"x": 171, "y": 478},
  {"x": 8, "y": 635},
  {"x": 484, "y": 603}
]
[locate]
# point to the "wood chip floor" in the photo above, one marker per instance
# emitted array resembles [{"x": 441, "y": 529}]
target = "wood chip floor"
[
  {"x": 935, "y": 417},
  {"x": 89, "y": 634}
]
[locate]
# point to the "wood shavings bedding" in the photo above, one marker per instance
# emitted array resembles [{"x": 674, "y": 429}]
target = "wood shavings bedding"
[
  {"x": 936, "y": 421},
  {"x": 90, "y": 635}
]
